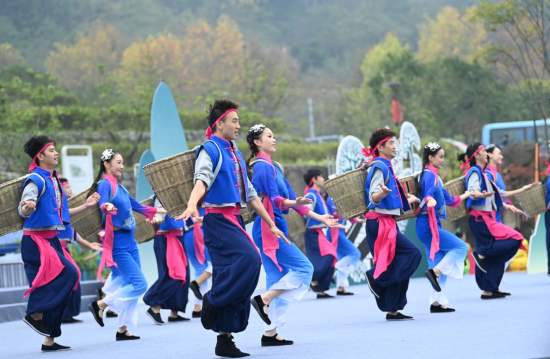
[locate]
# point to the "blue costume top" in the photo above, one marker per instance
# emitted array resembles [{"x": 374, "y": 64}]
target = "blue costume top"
[
  {"x": 432, "y": 186},
  {"x": 169, "y": 222},
  {"x": 225, "y": 189},
  {"x": 67, "y": 233},
  {"x": 189, "y": 223},
  {"x": 499, "y": 181},
  {"x": 320, "y": 208},
  {"x": 484, "y": 187},
  {"x": 396, "y": 199},
  {"x": 47, "y": 213}
]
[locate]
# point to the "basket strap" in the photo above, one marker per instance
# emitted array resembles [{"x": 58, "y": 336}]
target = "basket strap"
[{"x": 43, "y": 186}]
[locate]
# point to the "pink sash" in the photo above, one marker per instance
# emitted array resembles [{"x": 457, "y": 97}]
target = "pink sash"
[
  {"x": 497, "y": 229},
  {"x": 71, "y": 259},
  {"x": 434, "y": 228},
  {"x": 108, "y": 242},
  {"x": 386, "y": 242},
  {"x": 325, "y": 246},
  {"x": 231, "y": 213},
  {"x": 176, "y": 260},
  {"x": 198, "y": 242},
  {"x": 270, "y": 243},
  {"x": 50, "y": 264}
]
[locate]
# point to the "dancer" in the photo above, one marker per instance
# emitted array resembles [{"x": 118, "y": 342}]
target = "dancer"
[
  {"x": 495, "y": 243},
  {"x": 348, "y": 254},
  {"x": 220, "y": 176},
  {"x": 66, "y": 236},
  {"x": 395, "y": 256},
  {"x": 494, "y": 156},
  {"x": 171, "y": 289},
  {"x": 288, "y": 271},
  {"x": 199, "y": 258},
  {"x": 52, "y": 276},
  {"x": 320, "y": 251},
  {"x": 445, "y": 251},
  {"x": 120, "y": 252}
]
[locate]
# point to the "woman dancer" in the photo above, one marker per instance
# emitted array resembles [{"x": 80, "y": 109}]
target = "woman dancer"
[
  {"x": 495, "y": 243},
  {"x": 199, "y": 258},
  {"x": 348, "y": 254},
  {"x": 120, "y": 252},
  {"x": 171, "y": 289},
  {"x": 444, "y": 250},
  {"x": 288, "y": 271},
  {"x": 494, "y": 160}
]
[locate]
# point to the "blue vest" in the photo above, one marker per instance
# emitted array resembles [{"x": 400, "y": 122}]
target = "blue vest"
[
  {"x": 481, "y": 201},
  {"x": 225, "y": 188},
  {"x": 67, "y": 233},
  {"x": 169, "y": 222},
  {"x": 47, "y": 214},
  {"x": 189, "y": 223},
  {"x": 439, "y": 196},
  {"x": 124, "y": 219},
  {"x": 320, "y": 207},
  {"x": 547, "y": 194},
  {"x": 499, "y": 181},
  {"x": 397, "y": 198}
]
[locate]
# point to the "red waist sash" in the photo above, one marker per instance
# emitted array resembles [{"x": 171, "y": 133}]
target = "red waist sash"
[{"x": 384, "y": 247}]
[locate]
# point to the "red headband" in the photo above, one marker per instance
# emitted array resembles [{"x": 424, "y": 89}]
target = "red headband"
[
  {"x": 209, "y": 131},
  {"x": 308, "y": 187},
  {"x": 65, "y": 184},
  {"x": 33, "y": 164},
  {"x": 466, "y": 165},
  {"x": 368, "y": 152}
]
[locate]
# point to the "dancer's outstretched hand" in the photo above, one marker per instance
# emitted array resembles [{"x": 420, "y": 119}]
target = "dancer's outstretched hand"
[
  {"x": 412, "y": 198},
  {"x": 279, "y": 234},
  {"x": 485, "y": 194},
  {"x": 431, "y": 203},
  {"x": 301, "y": 201},
  {"x": 109, "y": 207},
  {"x": 385, "y": 190},
  {"x": 190, "y": 211},
  {"x": 329, "y": 220},
  {"x": 92, "y": 200},
  {"x": 28, "y": 207}
]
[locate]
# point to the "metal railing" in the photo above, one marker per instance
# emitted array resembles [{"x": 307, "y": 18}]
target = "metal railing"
[{"x": 12, "y": 275}]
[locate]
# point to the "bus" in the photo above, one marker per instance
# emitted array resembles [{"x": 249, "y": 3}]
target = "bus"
[{"x": 517, "y": 132}]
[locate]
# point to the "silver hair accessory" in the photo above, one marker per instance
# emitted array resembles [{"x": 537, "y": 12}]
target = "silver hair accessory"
[
  {"x": 257, "y": 128},
  {"x": 490, "y": 146},
  {"x": 107, "y": 154},
  {"x": 433, "y": 146}
]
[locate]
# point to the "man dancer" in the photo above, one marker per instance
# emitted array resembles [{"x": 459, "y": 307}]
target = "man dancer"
[
  {"x": 221, "y": 180},
  {"x": 395, "y": 256}
]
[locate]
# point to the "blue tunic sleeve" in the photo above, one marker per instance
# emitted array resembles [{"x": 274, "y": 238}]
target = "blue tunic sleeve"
[
  {"x": 428, "y": 185},
  {"x": 263, "y": 179}
]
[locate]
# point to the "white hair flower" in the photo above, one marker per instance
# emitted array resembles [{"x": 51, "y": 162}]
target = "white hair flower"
[
  {"x": 433, "y": 146},
  {"x": 107, "y": 154},
  {"x": 257, "y": 128}
]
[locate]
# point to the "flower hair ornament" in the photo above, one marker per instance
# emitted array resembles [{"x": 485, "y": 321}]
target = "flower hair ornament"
[
  {"x": 107, "y": 154},
  {"x": 492, "y": 145},
  {"x": 432, "y": 146},
  {"x": 256, "y": 128}
]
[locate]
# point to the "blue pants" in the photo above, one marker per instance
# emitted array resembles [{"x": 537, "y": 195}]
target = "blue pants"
[
  {"x": 73, "y": 309},
  {"x": 323, "y": 266},
  {"x": 236, "y": 270},
  {"x": 450, "y": 257},
  {"x": 348, "y": 256},
  {"x": 167, "y": 292},
  {"x": 394, "y": 282},
  {"x": 496, "y": 253},
  {"x": 130, "y": 281},
  {"x": 53, "y": 298},
  {"x": 295, "y": 276},
  {"x": 547, "y": 222}
]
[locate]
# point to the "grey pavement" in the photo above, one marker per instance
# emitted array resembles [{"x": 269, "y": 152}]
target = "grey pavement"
[{"x": 343, "y": 327}]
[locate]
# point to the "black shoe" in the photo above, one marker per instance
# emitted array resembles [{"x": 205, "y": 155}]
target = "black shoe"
[
  {"x": 123, "y": 336},
  {"x": 432, "y": 277},
  {"x": 194, "y": 286},
  {"x": 70, "y": 320},
  {"x": 398, "y": 316},
  {"x": 196, "y": 314},
  {"x": 157, "y": 319},
  {"x": 343, "y": 293},
  {"x": 225, "y": 347},
  {"x": 495, "y": 295},
  {"x": 258, "y": 304},
  {"x": 480, "y": 262},
  {"x": 208, "y": 314},
  {"x": 372, "y": 285},
  {"x": 505, "y": 293},
  {"x": 94, "y": 308},
  {"x": 440, "y": 309},
  {"x": 274, "y": 342},
  {"x": 111, "y": 314},
  {"x": 179, "y": 318},
  {"x": 54, "y": 348},
  {"x": 37, "y": 325},
  {"x": 315, "y": 288},
  {"x": 324, "y": 296},
  {"x": 333, "y": 280},
  {"x": 99, "y": 293}
]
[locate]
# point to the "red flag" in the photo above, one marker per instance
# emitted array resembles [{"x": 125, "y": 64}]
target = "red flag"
[{"x": 397, "y": 111}]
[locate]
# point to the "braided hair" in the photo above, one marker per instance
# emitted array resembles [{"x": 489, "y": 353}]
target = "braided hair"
[
  {"x": 255, "y": 133},
  {"x": 431, "y": 149},
  {"x": 463, "y": 157},
  {"x": 106, "y": 156}
]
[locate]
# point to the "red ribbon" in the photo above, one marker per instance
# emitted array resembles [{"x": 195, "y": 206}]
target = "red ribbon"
[
  {"x": 466, "y": 164},
  {"x": 176, "y": 259},
  {"x": 209, "y": 131},
  {"x": 368, "y": 152},
  {"x": 386, "y": 241},
  {"x": 434, "y": 228},
  {"x": 33, "y": 164}
]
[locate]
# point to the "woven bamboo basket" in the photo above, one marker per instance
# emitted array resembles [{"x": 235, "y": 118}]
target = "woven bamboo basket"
[
  {"x": 10, "y": 197},
  {"x": 533, "y": 201},
  {"x": 456, "y": 187},
  {"x": 172, "y": 180},
  {"x": 296, "y": 224},
  {"x": 145, "y": 231},
  {"x": 409, "y": 184},
  {"x": 348, "y": 192},
  {"x": 88, "y": 222}
]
